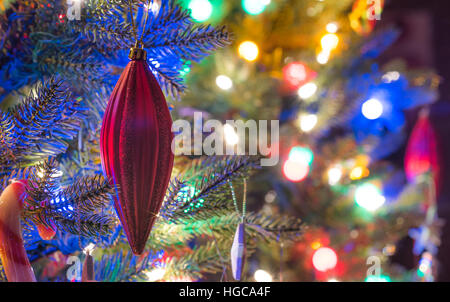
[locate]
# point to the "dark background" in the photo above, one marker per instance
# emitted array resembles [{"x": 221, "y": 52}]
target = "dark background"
[{"x": 425, "y": 43}]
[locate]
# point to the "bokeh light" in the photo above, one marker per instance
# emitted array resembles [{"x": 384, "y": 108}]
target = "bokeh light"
[
  {"x": 372, "y": 109},
  {"x": 308, "y": 122},
  {"x": 329, "y": 41},
  {"x": 369, "y": 197},
  {"x": 301, "y": 154},
  {"x": 201, "y": 10},
  {"x": 254, "y": 7},
  {"x": 295, "y": 171},
  {"x": 324, "y": 259},
  {"x": 224, "y": 82},
  {"x": 248, "y": 50},
  {"x": 307, "y": 90},
  {"x": 262, "y": 276}
]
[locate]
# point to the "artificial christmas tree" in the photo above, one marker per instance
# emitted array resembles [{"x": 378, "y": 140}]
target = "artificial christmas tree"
[{"x": 68, "y": 67}]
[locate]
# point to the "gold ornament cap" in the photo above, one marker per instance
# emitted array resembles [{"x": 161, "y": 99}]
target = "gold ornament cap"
[{"x": 137, "y": 53}]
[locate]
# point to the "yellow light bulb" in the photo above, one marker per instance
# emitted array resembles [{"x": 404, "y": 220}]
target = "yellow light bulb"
[
  {"x": 359, "y": 172},
  {"x": 248, "y": 50},
  {"x": 329, "y": 41},
  {"x": 332, "y": 27},
  {"x": 315, "y": 245}
]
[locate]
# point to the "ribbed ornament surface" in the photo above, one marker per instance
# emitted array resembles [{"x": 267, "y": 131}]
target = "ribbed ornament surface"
[{"x": 135, "y": 146}]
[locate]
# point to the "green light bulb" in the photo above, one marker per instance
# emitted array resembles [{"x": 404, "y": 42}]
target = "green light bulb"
[
  {"x": 201, "y": 10},
  {"x": 254, "y": 7}
]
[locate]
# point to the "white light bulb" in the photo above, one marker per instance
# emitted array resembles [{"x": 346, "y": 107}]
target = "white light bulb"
[
  {"x": 329, "y": 41},
  {"x": 334, "y": 175},
  {"x": 308, "y": 122},
  {"x": 262, "y": 276},
  {"x": 324, "y": 259},
  {"x": 156, "y": 274},
  {"x": 390, "y": 76},
  {"x": 323, "y": 57},
  {"x": 224, "y": 82},
  {"x": 231, "y": 137},
  {"x": 55, "y": 174},
  {"x": 89, "y": 248},
  {"x": 332, "y": 27},
  {"x": 369, "y": 197},
  {"x": 372, "y": 109},
  {"x": 307, "y": 90},
  {"x": 153, "y": 7}
]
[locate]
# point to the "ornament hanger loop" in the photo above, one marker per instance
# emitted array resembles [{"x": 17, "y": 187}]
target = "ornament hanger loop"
[
  {"x": 137, "y": 51},
  {"x": 244, "y": 199}
]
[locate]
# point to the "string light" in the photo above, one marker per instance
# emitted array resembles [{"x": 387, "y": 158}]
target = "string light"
[
  {"x": 55, "y": 173},
  {"x": 153, "y": 7},
  {"x": 332, "y": 27},
  {"x": 89, "y": 248},
  {"x": 359, "y": 172},
  {"x": 262, "y": 276},
  {"x": 307, "y": 90},
  {"x": 156, "y": 274},
  {"x": 295, "y": 73},
  {"x": 295, "y": 171},
  {"x": 334, "y": 175},
  {"x": 201, "y": 10},
  {"x": 372, "y": 109},
  {"x": 254, "y": 7},
  {"x": 224, "y": 82},
  {"x": 301, "y": 155},
  {"x": 248, "y": 50},
  {"x": 323, "y": 57},
  {"x": 369, "y": 197},
  {"x": 296, "y": 168},
  {"x": 315, "y": 245},
  {"x": 231, "y": 137},
  {"x": 329, "y": 41},
  {"x": 425, "y": 269},
  {"x": 390, "y": 76},
  {"x": 324, "y": 259},
  {"x": 380, "y": 278},
  {"x": 308, "y": 122}
]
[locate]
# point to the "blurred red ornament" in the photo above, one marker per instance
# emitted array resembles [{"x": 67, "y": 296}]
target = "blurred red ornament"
[
  {"x": 296, "y": 74},
  {"x": 57, "y": 262},
  {"x": 422, "y": 154},
  {"x": 364, "y": 15},
  {"x": 12, "y": 251},
  {"x": 46, "y": 232},
  {"x": 87, "y": 274},
  {"x": 135, "y": 146}
]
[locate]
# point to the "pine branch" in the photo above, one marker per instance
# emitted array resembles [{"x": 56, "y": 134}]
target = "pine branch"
[
  {"x": 205, "y": 186},
  {"x": 190, "y": 43},
  {"x": 76, "y": 209},
  {"x": 40, "y": 126}
]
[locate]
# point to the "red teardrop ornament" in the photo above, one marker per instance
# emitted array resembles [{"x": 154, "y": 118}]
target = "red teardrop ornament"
[
  {"x": 422, "y": 153},
  {"x": 135, "y": 146}
]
